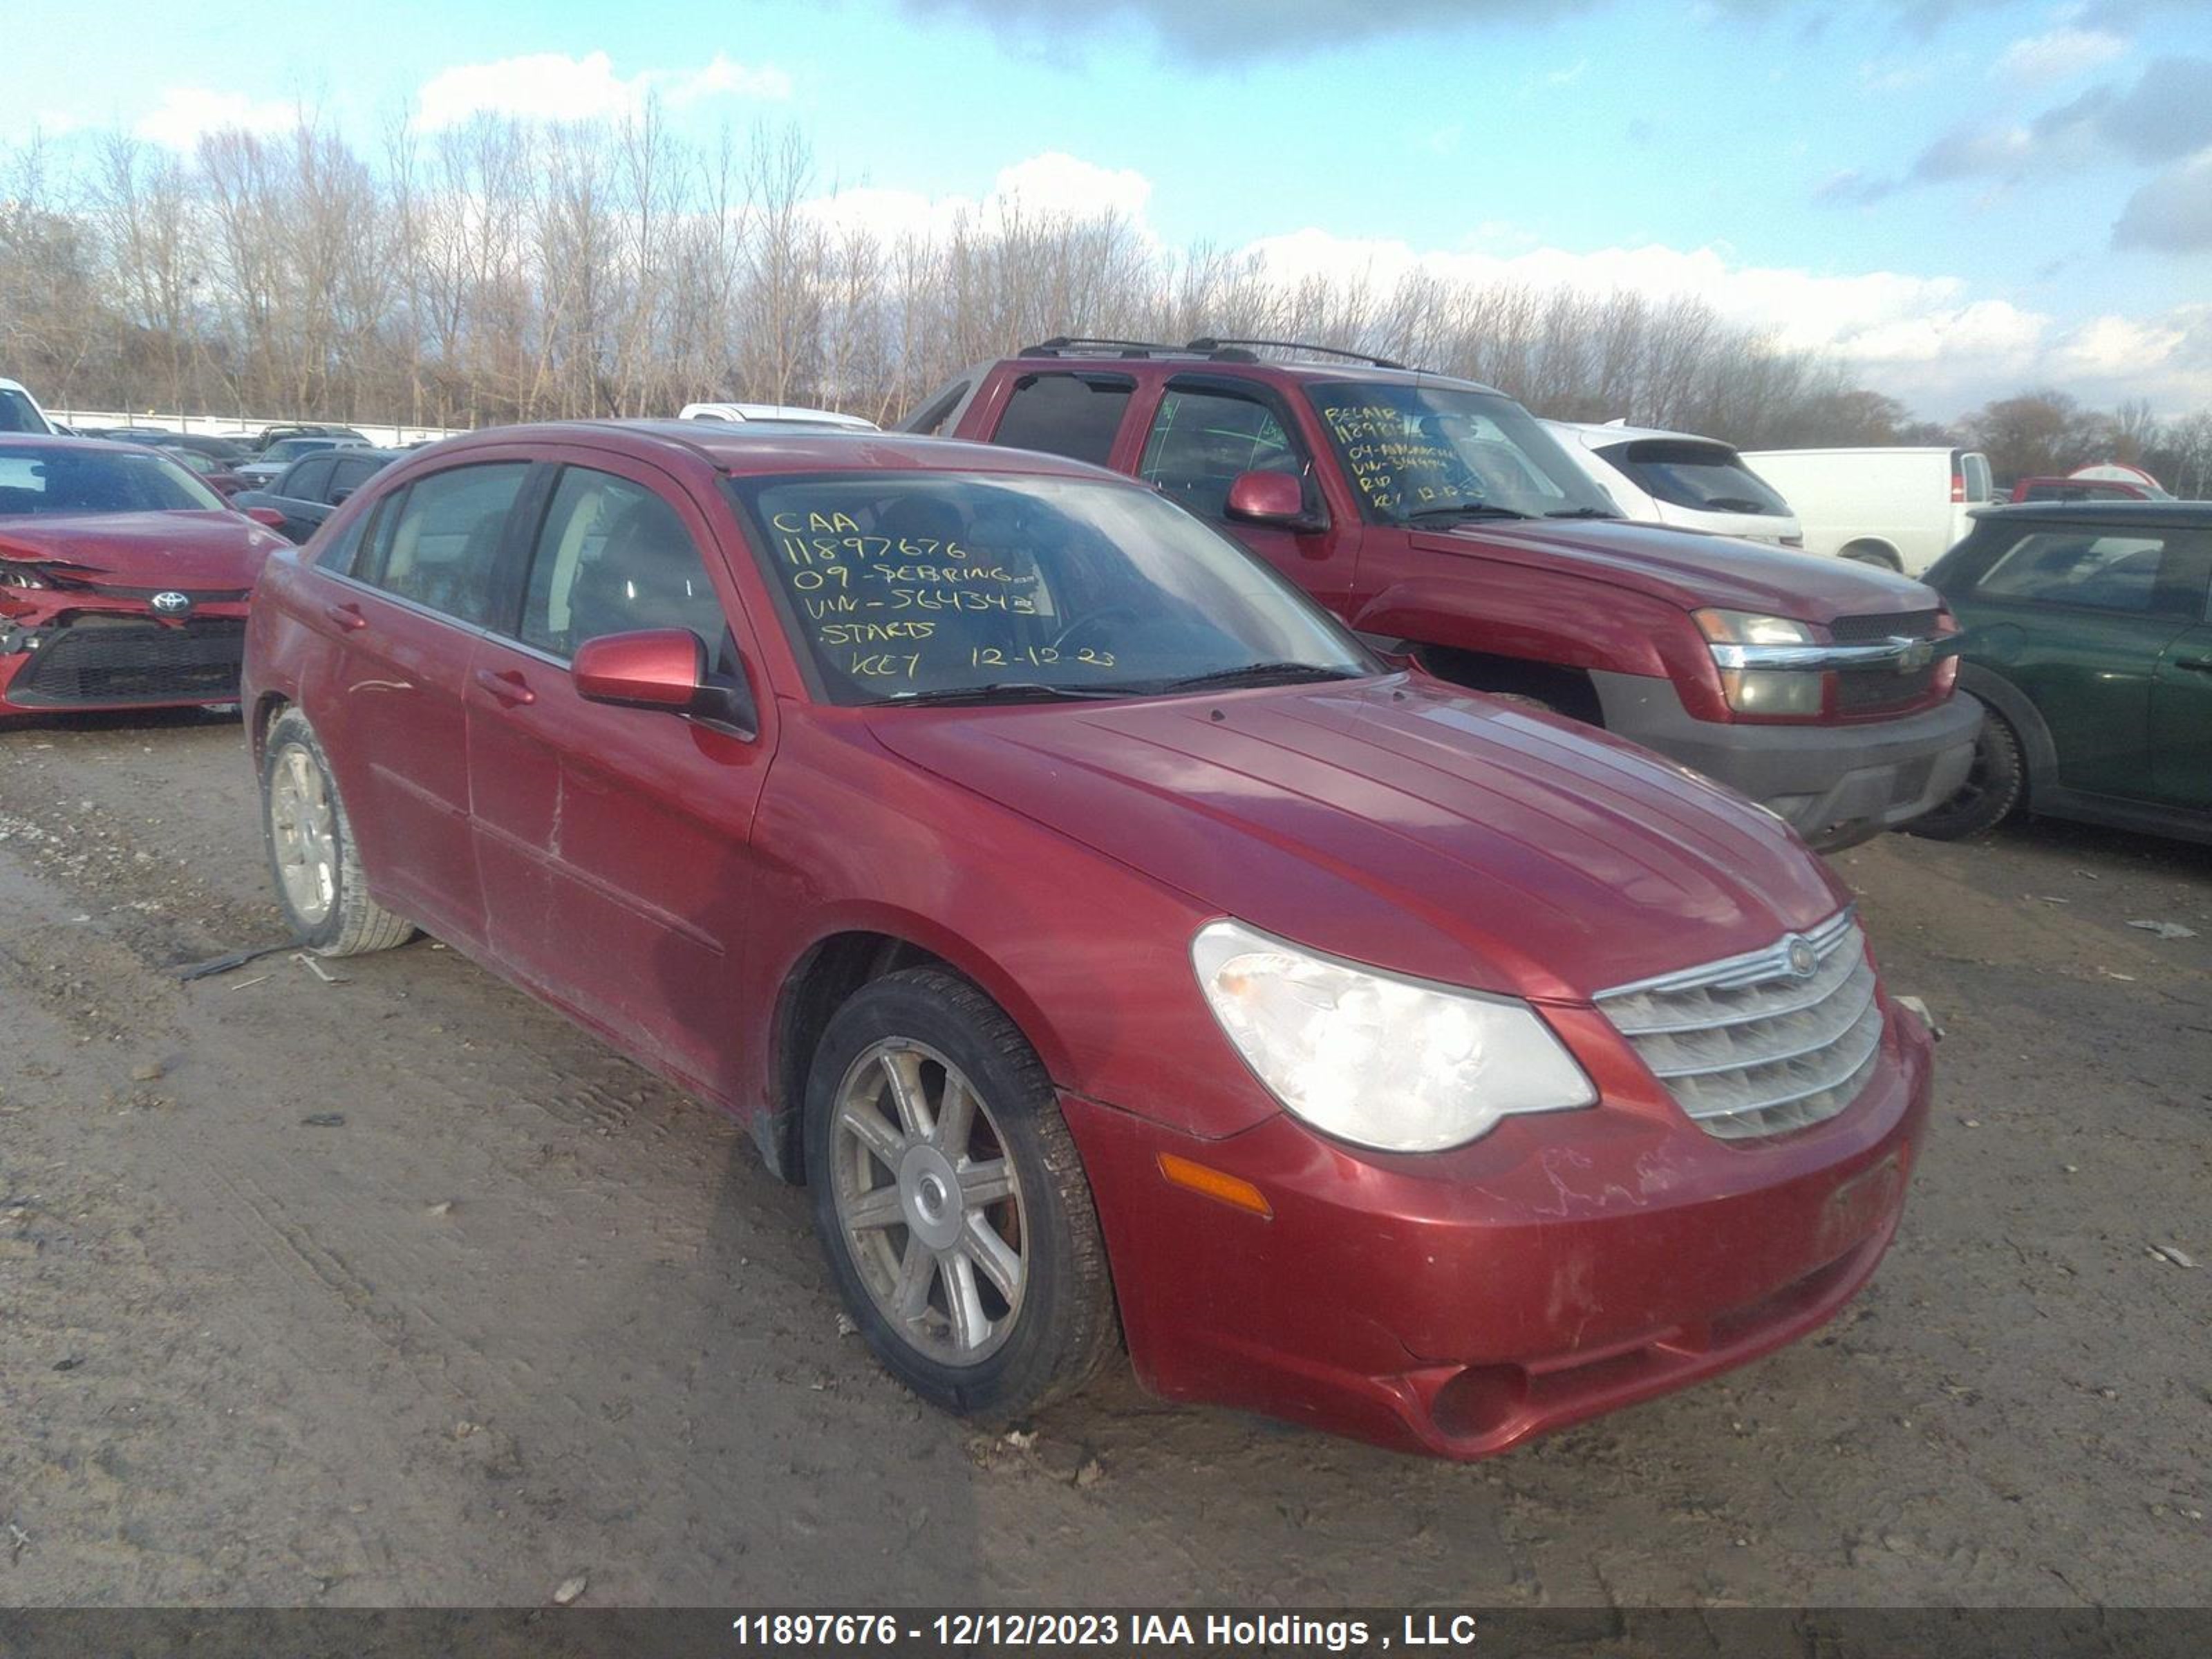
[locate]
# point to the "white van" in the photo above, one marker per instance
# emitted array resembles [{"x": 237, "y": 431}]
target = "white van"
[
  {"x": 1675, "y": 477},
  {"x": 20, "y": 410},
  {"x": 1900, "y": 508}
]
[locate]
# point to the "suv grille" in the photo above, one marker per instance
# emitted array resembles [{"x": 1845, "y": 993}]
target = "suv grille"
[
  {"x": 1861, "y": 630},
  {"x": 1748, "y": 1047},
  {"x": 133, "y": 662}
]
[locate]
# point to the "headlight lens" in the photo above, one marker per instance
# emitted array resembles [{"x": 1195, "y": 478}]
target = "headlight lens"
[
  {"x": 1774, "y": 692},
  {"x": 1380, "y": 1061}
]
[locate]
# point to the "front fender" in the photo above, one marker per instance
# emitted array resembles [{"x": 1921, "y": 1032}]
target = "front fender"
[{"x": 1533, "y": 617}]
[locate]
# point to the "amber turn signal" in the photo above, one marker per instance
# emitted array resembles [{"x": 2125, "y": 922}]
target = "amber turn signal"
[{"x": 1238, "y": 1194}]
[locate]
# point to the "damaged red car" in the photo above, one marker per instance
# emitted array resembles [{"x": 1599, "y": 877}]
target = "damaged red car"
[
  {"x": 123, "y": 580},
  {"x": 1119, "y": 950}
]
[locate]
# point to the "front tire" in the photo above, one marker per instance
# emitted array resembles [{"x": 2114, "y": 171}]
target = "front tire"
[
  {"x": 312, "y": 855},
  {"x": 1995, "y": 785},
  {"x": 950, "y": 1201}
]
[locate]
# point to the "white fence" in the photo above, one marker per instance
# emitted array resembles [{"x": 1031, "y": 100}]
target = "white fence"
[{"x": 226, "y": 426}]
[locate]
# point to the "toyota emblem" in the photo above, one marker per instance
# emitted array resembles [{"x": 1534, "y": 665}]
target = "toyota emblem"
[
  {"x": 172, "y": 604},
  {"x": 1804, "y": 960}
]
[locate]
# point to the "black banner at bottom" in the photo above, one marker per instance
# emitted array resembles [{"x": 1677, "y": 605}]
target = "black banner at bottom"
[{"x": 928, "y": 1633}]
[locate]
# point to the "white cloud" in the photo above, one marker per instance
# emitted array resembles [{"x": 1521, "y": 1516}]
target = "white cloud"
[
  {"x": 1051, "y": 184},
  {"x": 1569, "y": 76},
  {"x": 187, "y": 113},
  {"x": 2040, "y": 60},
  {"x": 551, "y": 86}
]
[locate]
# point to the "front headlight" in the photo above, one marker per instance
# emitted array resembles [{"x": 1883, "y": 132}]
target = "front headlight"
[
  {"x": 1754, "y": 654},
  {"x": 1395, "y": 1064}
]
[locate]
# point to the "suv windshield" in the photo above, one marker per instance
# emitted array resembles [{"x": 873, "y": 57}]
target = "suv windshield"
[
  {"x": 17, "y": 413},
  {"x": 1704, "y": 476},
  {"x": 935, "y": 587},
  {"x": 1425, "y": 454},
  {"x": 88, "y": 480}
]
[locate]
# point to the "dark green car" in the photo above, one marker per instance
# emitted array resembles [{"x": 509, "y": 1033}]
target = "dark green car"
[{"x": 2089, "y": 638}]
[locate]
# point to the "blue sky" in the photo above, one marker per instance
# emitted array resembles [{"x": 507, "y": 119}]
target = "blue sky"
[{"x": 1959, "y": 197}]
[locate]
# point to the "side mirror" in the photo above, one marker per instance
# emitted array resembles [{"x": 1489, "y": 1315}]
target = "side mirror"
[
  {"x": 269, "y": 517},
  {"x": 663, "y": 668},
  {"x": 1275, "y": 498}
]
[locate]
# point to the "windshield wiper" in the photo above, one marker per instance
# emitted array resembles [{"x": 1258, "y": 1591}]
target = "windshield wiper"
[
  {"x": 1467, "y": 510},
  {"x": 1260, "y": 673},
  {"x": 1582, "y": 513},
  {"x": 1007, "y": 691}
]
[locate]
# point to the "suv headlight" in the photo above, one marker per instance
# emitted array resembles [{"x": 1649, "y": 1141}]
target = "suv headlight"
[
  {"x": 1396, "y": 1064},
  {"x": 1753, "y": 654}
]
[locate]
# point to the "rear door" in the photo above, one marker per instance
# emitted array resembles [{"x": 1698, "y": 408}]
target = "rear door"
[
  {"x": 404, "y": 624},
  {"x": 613, "y": 841},
  {"x": 2085, "y": 619},
  {"x": 2181, "y": 705},
  {"x": 1202, "y": 431}
]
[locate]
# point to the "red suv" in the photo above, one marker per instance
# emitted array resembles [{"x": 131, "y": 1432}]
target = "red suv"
[
  {"x": 1440, "y": 520},
  {"x": 1112, "y": 942}
]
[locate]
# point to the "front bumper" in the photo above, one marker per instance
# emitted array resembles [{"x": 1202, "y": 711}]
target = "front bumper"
[
  {"x": 121, "y": 660},
  {"x": 1835, "y": 785},
  {"x": 1459, "y": 1303}
]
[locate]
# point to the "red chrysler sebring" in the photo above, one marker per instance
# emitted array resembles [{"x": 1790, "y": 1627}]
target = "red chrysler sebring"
[
  {"x": 123, "y": 579},
  {"x": 1120, "y": 952}
]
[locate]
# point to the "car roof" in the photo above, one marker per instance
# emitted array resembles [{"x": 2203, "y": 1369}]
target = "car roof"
[
  {"x": 751, "y": 451},
  {"x": 1615, "y": 431},
  {"x": 57, "y": 441},
  {"x": 773, "y": 412},
  {"x": 2193, "y": 513}
]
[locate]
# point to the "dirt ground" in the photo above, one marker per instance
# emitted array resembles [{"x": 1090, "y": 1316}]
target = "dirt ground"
[{"x": 396, "y": 1288}]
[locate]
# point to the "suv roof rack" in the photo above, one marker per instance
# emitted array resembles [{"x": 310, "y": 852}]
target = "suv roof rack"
[
  {"x": 1219, "y": 348},
  {"x": 1216, "y": 346},
  {"x": 1071, "y": 345}
]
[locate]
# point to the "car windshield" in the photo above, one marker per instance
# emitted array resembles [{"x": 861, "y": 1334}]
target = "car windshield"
[
  {"x": 938, "y": 587},
  {"x": 1707, "y": 476},
  {"x": 1428, "y": 455},
  {"x": 68, "y": 480}
]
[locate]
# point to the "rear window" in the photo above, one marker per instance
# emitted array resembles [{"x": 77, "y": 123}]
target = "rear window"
[{"x": 1708, "y": 477}]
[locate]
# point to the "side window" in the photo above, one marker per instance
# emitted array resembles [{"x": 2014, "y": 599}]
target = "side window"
[
  {"x": 2146, "y": 571},
  {"x": 350, "y": 475},
  {"x": 307, "y": 480},
  {"x": 613, "y": 557},
  {"x": 437, "y": 544},
  {"x": 338, "y": 558},
  {"x": 1072, "y": 415},
  {"x": 1976, "y": 472},
  {"x": 1200, "y": 440}
]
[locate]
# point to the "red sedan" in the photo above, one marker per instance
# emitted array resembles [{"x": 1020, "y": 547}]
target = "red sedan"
[
  {"x": 1120, "y": 951},
  {"x": 123, "y": 579}
]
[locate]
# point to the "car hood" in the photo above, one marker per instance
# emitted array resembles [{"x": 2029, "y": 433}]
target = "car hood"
[
  {"x": 203, "y": 550},
  {"x": 1398, "y": 823},
  {"x": 1692, "y": 568}
]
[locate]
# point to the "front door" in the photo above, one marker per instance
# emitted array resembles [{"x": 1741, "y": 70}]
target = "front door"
[
  {"x": 2086, "y": 620},
  {"x": 1202, "y": 435},
  {"x": 612, "y": 842}
]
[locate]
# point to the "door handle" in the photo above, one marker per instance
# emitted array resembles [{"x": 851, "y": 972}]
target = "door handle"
[
  {"x": 509, "y": 687},
  {"x": 347, "y": 617},
  {"x": 2196, "y": 665}
]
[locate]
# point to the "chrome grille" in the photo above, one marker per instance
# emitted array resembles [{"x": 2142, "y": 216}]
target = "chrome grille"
[{"x": 1750, "y": 1046}]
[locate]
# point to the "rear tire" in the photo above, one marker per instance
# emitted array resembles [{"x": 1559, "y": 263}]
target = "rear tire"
[
  {"x": 1995, "y": 785},
  {"x": 962, "y": 1233},
  {"x": 311, "y": 856}
]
